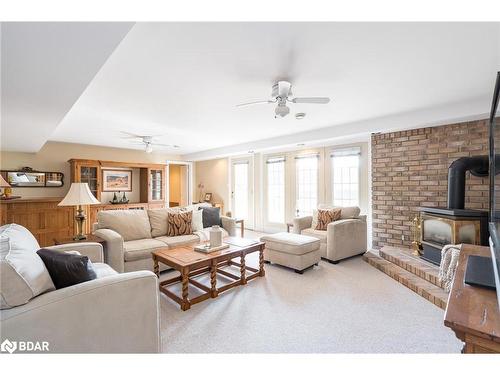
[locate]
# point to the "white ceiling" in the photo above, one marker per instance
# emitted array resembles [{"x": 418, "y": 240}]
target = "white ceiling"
[
  {"x": 183, "y": 80},
  {"x": 44, "y": 69}
]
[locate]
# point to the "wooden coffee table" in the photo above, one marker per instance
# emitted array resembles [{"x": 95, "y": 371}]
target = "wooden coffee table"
[{"x": 191, "y": 263}]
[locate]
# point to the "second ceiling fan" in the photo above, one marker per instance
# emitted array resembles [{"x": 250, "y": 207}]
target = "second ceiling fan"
[{"x": 281, "y": 94}]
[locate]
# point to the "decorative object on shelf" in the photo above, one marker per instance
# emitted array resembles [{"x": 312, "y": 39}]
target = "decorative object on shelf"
[
  {"x": 115, "y": 199},
  {"x": 208, "y": 197},
  {"x": 124, "y": 199},
  {"x": 416, "y": 234},
  {"x": 200, "y": 191},
  {"x": 79, "y": 195},
  {"x": 4, "y": 184},
  {"x": 116, "y": 180},
  {"x": 215, "y": 234},
  {"x": 28, "y": 177}
]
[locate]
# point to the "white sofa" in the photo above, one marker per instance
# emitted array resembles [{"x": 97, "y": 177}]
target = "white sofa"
[
  {"x": 343, "y": 238},
  {"x": 132, "y": 235},
  {"x": 114, "y": 313}
]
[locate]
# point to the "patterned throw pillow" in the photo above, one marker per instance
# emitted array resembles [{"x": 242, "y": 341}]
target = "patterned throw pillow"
[
  {"x": 325, "y": 217},
  {"x": 179, "y": 224}
]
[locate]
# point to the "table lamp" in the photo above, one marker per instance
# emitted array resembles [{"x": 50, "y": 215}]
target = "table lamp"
[
  {"x": 3, "y": 184},
  {"x": 79, "y": 195}
]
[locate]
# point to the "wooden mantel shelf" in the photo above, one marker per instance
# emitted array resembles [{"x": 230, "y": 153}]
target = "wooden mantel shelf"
[
  {"x": 472, "y": 312},
  {"x": 32, "y": 200}
]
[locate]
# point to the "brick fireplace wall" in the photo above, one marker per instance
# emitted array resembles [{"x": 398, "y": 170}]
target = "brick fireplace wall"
[{"x": 410, "y": 169}]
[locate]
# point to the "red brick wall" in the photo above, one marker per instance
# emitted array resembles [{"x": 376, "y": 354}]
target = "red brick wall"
[{"x": 410, "y": 169}]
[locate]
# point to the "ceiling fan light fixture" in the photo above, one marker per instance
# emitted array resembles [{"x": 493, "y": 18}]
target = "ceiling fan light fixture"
[
  {"x": 282, "y": 110},
  {"x": 149, "y": 148}
]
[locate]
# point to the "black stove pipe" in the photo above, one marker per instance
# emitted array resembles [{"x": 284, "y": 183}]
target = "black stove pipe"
[{"x": 477, "y": 165}]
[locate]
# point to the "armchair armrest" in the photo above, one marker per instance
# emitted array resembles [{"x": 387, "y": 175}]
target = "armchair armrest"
[
  {"x": 92, "y": 250},
  {"x": 114, "y": 248},
  {"x": 346, "y": 238},
  {"x": 229, "y": 224},
  {"x": 118, "y": 313},
  {"x": 301, "y": 223}
]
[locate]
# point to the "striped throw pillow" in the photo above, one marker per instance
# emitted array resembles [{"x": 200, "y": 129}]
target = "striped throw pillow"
[
  {"x": 179, "y": 224},
  {"x": 325, "y": 217}
]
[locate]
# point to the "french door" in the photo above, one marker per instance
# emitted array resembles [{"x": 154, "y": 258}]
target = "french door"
[{"x": 242, "y": 202}]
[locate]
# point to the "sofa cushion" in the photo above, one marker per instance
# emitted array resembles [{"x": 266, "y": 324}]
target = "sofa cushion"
[
  {"x": 345, "y": 213},
  {"x": 291, "y": 243},
  {"x": 130, "y": 224},
  {"x": 23, "y": 274},
  {"x": 180, "y": 223},
  {"x": 211, "y": 216},
  {"x": 158, "y": 220},
  {"x": 140, "y": 249},
  {"x": 319, "y": 234},
  {"x": 326, "y": 216},
  {"x": 67, "y": 269},
  {"x": 178, "y": 240}
]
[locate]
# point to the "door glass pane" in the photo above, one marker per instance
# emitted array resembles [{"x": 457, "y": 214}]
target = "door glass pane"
[
  {"x": 307, "y": 185},
  {"x": 345, "y": 180},
  {"x": 241, "y": 191},
  {"x": 276, "y": 192}
]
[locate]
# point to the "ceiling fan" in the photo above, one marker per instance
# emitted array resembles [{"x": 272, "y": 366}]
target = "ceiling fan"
[
  {"x": 281, "y": 95},
  {"x": 148, "y": 141}
]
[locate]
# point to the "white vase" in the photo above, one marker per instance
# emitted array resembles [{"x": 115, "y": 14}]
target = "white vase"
[{"x": 215, "y": 236}]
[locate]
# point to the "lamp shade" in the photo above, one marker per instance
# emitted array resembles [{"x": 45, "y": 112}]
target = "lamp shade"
[
  {"x": 78, "y": 194},
  {"x": 3, "y": 183}
]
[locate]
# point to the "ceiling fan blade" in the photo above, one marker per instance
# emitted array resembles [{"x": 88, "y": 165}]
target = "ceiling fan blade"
[
  {"x": 257, "y": 102},
  {"x": 130, "y": 135},
  {"x": 312, "y": 100},
  {"x": 161, "y": 144}
]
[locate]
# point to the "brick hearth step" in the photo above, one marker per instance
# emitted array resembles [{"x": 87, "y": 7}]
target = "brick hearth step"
[
  {"x": 405, "y": 258},
  {"x": 418, "y": 284}
]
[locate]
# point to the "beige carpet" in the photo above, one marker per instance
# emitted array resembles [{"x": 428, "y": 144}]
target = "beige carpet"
[{"x": 346, "y": 308}]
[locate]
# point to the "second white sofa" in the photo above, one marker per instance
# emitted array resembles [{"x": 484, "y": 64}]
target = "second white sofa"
[{"x": 132, "y": 235}]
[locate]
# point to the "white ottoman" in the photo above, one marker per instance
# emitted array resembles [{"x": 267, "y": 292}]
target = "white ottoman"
[{"x": 292, "y": 250}]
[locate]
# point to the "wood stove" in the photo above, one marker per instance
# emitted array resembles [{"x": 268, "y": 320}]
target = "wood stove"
[
  {"x": 443, "y": 226},
  {"x": 454, "y": 224}
]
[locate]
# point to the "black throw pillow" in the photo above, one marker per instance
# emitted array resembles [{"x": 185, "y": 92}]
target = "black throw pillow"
[
  {"x": 210, "y": 216},
  {"x": 67, "y": 269}
]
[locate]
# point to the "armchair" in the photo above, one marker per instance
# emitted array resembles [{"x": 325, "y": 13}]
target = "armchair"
[
  {"x": 343, "y": 238},
  {"x": 114, "y": 313}
]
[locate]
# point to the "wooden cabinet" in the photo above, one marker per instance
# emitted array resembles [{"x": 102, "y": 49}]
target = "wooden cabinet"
[
  {"x": 42, "y": 217},
  {"x": 88, "y": 171},
  {"x": 472, "y": 312},
  {"x": 153, "y": 185}
]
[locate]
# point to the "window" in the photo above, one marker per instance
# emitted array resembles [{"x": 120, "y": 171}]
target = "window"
[
  {"x": 276, "y": 190},
  {"x": 345, "y": 177},
  {"x": 307, "y": 184}
]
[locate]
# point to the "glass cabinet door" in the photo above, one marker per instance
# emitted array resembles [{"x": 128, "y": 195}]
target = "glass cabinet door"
[
  {"x": 156, "y": 177},
  {"x": 90, "y": 175}
]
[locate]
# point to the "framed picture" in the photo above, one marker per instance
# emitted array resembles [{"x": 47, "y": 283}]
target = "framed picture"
[
  {"x": 116, "y": 180},
  {"x": 208, "y": 197}
]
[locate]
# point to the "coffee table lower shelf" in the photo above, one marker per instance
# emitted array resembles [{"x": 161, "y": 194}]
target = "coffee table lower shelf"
[{"x": 213, "y": 266}]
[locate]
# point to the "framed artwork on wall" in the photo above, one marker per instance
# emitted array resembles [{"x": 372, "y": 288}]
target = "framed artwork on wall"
[
  {"x": 116, "y": 180},
  {"x": 208, "y": 197}
]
